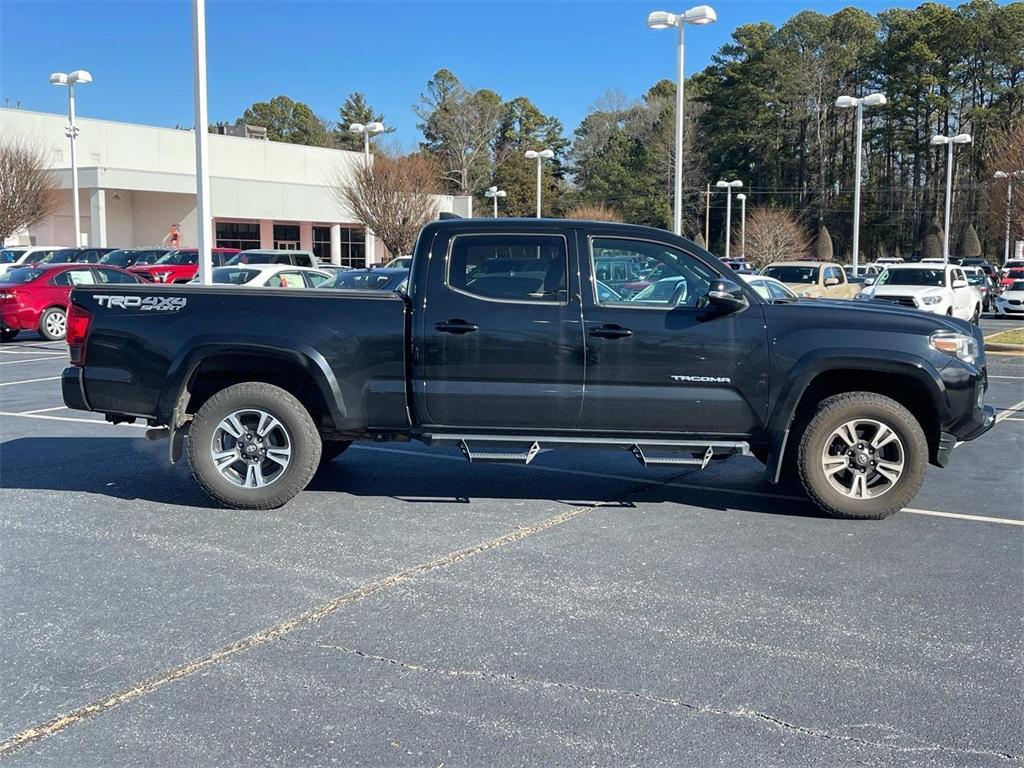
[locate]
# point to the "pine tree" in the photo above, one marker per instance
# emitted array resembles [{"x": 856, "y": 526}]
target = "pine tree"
[
  {"x": 699, "y": 240},
  {"x": 354, "y": 110},
  {"x": 970, "y": 245},
  {"x": 931, "y": 243}
]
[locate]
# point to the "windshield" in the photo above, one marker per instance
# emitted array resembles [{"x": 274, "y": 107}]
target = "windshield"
[
  {"x": 59, "y": 256},
  {"x": 977, "y": 278},
  {"x": 374, "y": 281},
  {"x": 926, "y": 277},
  {"x": 147, "y": 257},
  {"x": 179, "y": 257},
  {"x": 119, "y": 258},
  {"x": 20, "y": 275},
  {"x": 807, "y": 275},
  {"x": 1016, "y": 285},
  {"x": 233, "y": 275},
  {"x": 1016, "y": 274}
]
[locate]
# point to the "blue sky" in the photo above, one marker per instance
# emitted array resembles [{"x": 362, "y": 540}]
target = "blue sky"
[{"x": 562, "y": 55}]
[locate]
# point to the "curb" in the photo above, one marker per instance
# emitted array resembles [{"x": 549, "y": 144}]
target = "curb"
[{"x": 997, "y": 347}]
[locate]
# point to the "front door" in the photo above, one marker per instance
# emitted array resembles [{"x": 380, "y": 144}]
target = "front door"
[
  {"x": 660, "y": 360},
  {"x": 500, "y": 337}
]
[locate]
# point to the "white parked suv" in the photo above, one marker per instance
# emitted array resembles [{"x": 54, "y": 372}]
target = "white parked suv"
[
  {"x": 24, "y": 255},
  {"x": 938, "y": 288}
]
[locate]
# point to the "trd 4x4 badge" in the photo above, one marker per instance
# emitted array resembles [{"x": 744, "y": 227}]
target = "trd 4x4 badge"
[{"x": 143, "y": 303}]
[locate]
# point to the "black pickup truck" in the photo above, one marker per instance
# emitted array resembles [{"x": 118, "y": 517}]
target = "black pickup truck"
[{"x": 508, "y": 343}]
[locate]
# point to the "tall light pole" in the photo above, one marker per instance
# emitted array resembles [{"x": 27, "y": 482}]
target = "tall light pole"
[
  {"x": 495, "y": 193},
  {"x": 368, "y": 130},
  {"x": 1009, "y": 200},
  {"x": 743, "y": 225},
  {"x": 728, "y": 186},
  {"x": 78, "y": 77},
  {"x": 699, "y": 15},
  {"x": 948, "y": 142},
  {"x": 544, "y": 154},
  {"x": 204, "y": 230},
  {"x": 847, "y": 102}
]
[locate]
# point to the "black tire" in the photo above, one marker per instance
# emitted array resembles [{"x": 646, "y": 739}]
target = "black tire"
[
  {"x": 977, "y": 315},
  {"x": 298, "y": 427},
  {"x": 830, "y": 415},
  {"x": 6, "y": 336},
  {"x": 51, "y": 323},
  {"x": 331, "y": 450}
]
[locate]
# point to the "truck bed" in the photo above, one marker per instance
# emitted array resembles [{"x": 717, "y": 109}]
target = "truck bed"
[{"x": 147, "y": 342}]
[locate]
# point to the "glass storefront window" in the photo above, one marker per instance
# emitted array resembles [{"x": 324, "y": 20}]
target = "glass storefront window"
[
  {"x": 353, "y": 249},
  {"x": 237, "y": 234}
]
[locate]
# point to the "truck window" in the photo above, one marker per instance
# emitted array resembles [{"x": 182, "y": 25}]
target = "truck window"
[
  {"x": 509, "y": 267},
  {"x": 678, "y": 280}
]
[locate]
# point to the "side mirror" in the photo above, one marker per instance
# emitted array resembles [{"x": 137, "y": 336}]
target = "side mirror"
[
  {"x": 959, "y": 283},
  {"x": 869, "y": 281},
  {"x": 831, "y": 281},
  {"x": 727, "y": 296}
]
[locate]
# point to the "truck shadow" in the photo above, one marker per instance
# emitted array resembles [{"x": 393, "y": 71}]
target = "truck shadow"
[{"x": 131, "y": 468}]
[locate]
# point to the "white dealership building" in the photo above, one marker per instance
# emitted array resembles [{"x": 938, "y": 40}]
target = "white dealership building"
[{"x": 137, "y": 187}]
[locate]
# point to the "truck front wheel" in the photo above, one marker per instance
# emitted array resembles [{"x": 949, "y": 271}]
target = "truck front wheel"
[
  {"x": 862, "y": 455},
  {"x": 253, "y": 446}
]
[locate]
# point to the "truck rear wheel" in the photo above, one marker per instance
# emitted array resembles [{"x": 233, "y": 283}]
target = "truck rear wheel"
[
  {"x": 862, "y": 455},
  {"x": 253, "y": 446}
]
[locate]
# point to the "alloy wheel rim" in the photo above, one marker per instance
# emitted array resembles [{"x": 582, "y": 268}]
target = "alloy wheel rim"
[
  {"x": 863, "y": 459},
  {"x": 251, "y": 448},
  {"x": 56, "y": 323}
]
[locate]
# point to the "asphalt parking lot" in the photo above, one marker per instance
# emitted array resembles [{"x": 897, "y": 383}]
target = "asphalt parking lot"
[{"x": 410, "y": 609}]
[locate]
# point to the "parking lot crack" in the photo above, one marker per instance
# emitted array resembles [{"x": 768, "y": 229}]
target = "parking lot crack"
[{"x": 745, "y": 713}]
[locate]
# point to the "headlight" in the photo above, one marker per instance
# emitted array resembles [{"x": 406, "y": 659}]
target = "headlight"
[
  {"x": 932, "y": 300},
  {"x": 959, "y": 345},
  {"x": 863, "y": 296}
]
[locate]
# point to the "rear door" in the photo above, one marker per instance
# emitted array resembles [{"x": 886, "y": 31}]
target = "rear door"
[
  {"x": 499, "y": 333},
  {"x": 659, "y": 362}
]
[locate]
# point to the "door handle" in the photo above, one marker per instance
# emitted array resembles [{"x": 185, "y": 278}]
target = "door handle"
[
  {"x": 456, "y": 326},
  {"x": 610, "y": 331}
]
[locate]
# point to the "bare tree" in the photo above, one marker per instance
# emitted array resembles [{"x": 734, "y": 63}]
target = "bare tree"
[
  {"x": 593, "y": 212},
  {"x": 1007, "y": 158},
  {"x": 393, "y": 196},
  {"x": 461, "y": 127},
  {"x": 775, "y": 234},
  {"x": 28, "y": 190}
]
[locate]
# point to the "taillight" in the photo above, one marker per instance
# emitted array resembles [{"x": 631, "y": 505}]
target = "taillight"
[
  {"x": 79, "y": 321},
  {"x": 10, "y": 294}
]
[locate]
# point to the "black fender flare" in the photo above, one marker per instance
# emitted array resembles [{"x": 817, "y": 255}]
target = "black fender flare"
[
  {"x": 820, "y": 361},
  {"x": 185, "y": 364}
]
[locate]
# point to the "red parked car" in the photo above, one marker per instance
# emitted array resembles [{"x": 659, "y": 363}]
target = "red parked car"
[
  {"x": 36, "y": 298},
  {"x": 181, "y": 265},
  {"x": 1009, "y": 277}
]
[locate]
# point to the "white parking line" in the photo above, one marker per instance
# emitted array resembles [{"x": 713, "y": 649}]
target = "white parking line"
[
  {"x": 27, "y": 381},
  {"x": 33, "y": 360},
  {"x": 30, "y": 415},
  {"x": 30, "y": 351},
  {"x": 1015, "y": 378},
  {"x": 45, "y": 410},
  {"x": 1011, "y": 411},
  {"x": 694, "y": 486}
]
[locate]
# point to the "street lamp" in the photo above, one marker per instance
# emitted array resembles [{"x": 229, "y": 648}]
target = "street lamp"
[
  {"x": 78, "y": 77},
  {"x": 699, "y": 15},
  {"x": 367, "y": 130},
  {"x": 849, "y": 102},
  {"x": 544, "y": 154},
  {"x": 728, "y": 186},
  {"x": 495, "y": 193},
  {"x": 938, "y": 141},
  {"x": 743, "y": 225},
  {"x": 1009, "y": 199}
]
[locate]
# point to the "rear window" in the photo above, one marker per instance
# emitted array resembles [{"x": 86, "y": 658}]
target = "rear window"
[
  {"x": 60, "y": 256},
  {"x": 9, "y": 257},
  {"x": 233, "y": 275},
  {"x": 122, "y": 258},
  {"x": 20, "y": 275}
]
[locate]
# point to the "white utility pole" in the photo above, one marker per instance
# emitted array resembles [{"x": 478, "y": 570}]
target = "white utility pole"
[
  {"x": 544, "y": 154},
  {"x": 846, "y": 102},
  {"x": 204, "y": 234},
  {"x": 79, "y": 76},
  {"x": 948, "y": 142}
]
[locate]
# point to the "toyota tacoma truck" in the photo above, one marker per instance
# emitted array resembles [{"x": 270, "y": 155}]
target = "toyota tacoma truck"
[{"x": 503, "y": 347}]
